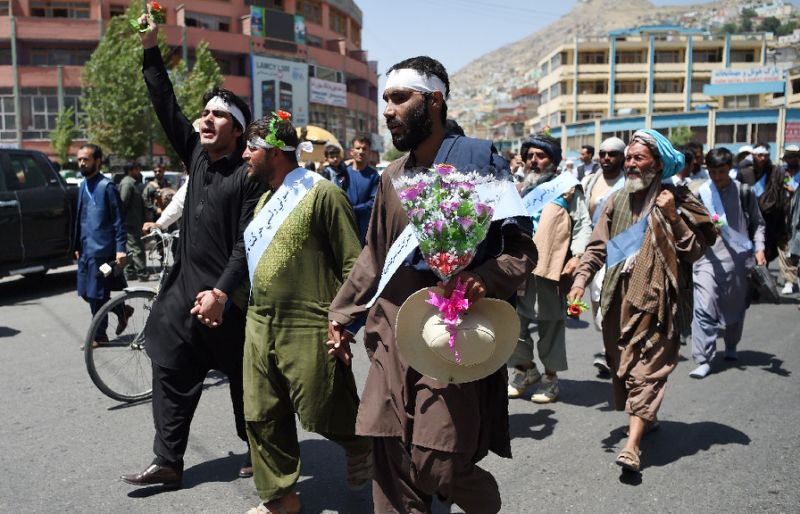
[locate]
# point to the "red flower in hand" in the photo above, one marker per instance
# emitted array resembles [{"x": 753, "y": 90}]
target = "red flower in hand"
[
  {"x": 575, "y": 308},
  {"x": 155, "y": 6},
  {"x": 284, "y": 115}
]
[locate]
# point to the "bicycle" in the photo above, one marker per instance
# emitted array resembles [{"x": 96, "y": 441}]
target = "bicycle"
[{"x": 115, "y": 354}]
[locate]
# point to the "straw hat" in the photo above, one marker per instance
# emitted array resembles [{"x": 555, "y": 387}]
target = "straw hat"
[{"x": 485, "y": 340}]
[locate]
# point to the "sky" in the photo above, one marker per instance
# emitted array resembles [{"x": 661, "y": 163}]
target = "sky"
[{"x": 455, "y": 32}]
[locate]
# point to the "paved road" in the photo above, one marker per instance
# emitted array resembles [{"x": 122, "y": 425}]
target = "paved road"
[{"x": 727, "y": 443}]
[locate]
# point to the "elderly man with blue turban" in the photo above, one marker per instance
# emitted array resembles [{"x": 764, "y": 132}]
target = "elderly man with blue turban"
[{"x": 648, "y": 235}]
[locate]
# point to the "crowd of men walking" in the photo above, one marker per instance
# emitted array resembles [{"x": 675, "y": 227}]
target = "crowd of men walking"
[{"x": 279, "y": 266}]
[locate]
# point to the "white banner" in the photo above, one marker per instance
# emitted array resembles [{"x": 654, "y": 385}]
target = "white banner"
[
  {"x": 747, "y": 75},
  {"x": 326, "y": 92},
  {"x": 279, "y": 84}
]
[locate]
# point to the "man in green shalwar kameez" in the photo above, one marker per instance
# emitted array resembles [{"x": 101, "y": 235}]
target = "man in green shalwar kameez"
[{"x": 301, "y": 246}]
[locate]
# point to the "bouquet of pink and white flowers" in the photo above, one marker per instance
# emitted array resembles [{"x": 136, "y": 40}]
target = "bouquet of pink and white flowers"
[{"x": 449, "y": 217}]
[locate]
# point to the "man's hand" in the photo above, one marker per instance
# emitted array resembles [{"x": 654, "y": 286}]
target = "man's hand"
[
  {"x": 475, "y": 288},
  {"x": 150, "y": 225},
  {"x": 208, "y": 307},
  {"x": 761, "y": 258},
  {"x": 121, "y": 259},
  {"x": 77, "y": 255},
  {"x": 339, "y": 341},
  {"x": 571, "y": 266},
  {"x": 149, "y": 38},
  {"x": 666, "y": 202},
  {"x": 576, "y": 293}
]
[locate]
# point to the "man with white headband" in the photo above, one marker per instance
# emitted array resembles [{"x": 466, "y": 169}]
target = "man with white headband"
[
  {"x": 197, "y": 322},
  {"x": 301, "y": 244},
  {"x": 427, "y": 435}
]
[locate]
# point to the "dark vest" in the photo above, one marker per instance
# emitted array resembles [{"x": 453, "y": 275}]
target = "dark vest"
[{"x": 95, "y": 222}]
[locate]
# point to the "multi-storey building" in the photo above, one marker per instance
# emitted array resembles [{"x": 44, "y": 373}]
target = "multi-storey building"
[
  {"x": 45, "y": 43},
  {"x": 728, "y": 90}
]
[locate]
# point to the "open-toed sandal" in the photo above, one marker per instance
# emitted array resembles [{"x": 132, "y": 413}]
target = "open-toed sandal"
[
  {"x": 628, "y": 459},
  {"x": 359, "y": 470},
  {"x": 289, "y": 504}
]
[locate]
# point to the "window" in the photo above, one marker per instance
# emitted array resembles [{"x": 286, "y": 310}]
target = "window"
[
  {"x": 40, "y": 110},
  {"x": 748, "y": 55},
  {"x": 629, "y": 86},
  {"x": 668, "y": 86},
  {"x": 590, "y": 115},
  {"x": 311, "y": 9},
  {"x": 314, "y": 41},
  {"x": 630, "y": 57},
  {"x": 764, "y": 132},
  {"x": 727, "y": 134},
  {"x": 5, "y": 56},
  {"x": 593, "y": 87},
  {"x": 56, "y": 56},
  {"x": 324, "y": 73},
  {"x": 707, "y": 55},
  {"x": 739, "y": 102},
  {"x": 8, "y": 122},
  {"x": 60, "y": 9},
  {"x": 338, "y": 22},
  {"x": 796, "y": 86},
  {"x": 208, "y": 21},
  {"x": 555, "y": 90},
  {"x": 116, "y": 10},
  {"x": 697, "y": 85},
  {"x": 592, "y": 58},
  {"x": 25, "y": 173},
  {"x": 355, "y": 35},
  {"x": 668, "y": 56},
  {"x": 557, "y": 59}
]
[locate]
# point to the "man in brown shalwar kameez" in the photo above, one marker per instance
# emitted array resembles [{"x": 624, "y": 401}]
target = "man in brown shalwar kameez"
[
  {"x": 645, "y": 281},
  {"x": 427, "y": 435}
]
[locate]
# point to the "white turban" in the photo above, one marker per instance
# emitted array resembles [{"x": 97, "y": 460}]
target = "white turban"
[{"x": 613, "y": 144}]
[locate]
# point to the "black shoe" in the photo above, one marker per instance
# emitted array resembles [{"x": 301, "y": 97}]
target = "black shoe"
[
  {"x": 154, "y": 475},
  {"x": 246, "y": 471},
  {"x": 122, "y": 321}
]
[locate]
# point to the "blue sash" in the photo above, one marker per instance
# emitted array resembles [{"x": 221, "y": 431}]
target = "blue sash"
[
  {"x": 626, "y": 243},
  {"x": 794, "y": 183},
  {"x": 545, "y": 193},
  {"x": 713, "y": 202},
  {"x": 602, "y": 201},
  {"x": 759, "y": 186}
]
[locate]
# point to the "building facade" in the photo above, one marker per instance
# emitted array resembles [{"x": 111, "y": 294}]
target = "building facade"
[
  {"x": 652, "y": 69},
  {"x": 45, "y": 43}
]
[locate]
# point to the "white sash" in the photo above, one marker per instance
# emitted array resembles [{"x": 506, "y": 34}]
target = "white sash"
[
  {"x": 713, "y": 202},
  {"x": 262, "y": 229},
  {"x": 758, "y": 187},
  {"x": 545, "y": 193},
  {"x": 508, "y": 205}
]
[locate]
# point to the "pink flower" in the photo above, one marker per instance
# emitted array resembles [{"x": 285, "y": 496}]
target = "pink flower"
[
  {"x": 416, "y": 215},
  {"x": 448, "y": 207},
  {"x": 438, "y": 225},
  {"x": 409, "y": 194},
  {"x": 465, "y": 222},
  {"x": 444, "y": 169},
  {"x": 482, "y": 209}
]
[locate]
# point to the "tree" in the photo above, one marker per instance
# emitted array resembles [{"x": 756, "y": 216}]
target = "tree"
[
  {"x": 680, "y": 136},
  {"x": 729, "y": 28},
  {"x": 747, "y": 19},
  {"x": 769, "y": 24},
  {"x": 119, "y": 115},
  {"x": 786, "y": 28},
  {"x": 392, "y": 153},
  {"x": 63, "y": 134}
]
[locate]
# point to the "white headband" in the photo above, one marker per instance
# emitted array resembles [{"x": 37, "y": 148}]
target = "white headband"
[
  {"x": 760, "y": 150},
  {"x": 406, "y": 78},
  {"x": 305, "y": 146},
  {"x": 218, "y": 102}
]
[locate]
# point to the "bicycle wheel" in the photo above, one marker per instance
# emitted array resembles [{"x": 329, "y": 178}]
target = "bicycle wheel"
[{"x": 115, "y": 351}]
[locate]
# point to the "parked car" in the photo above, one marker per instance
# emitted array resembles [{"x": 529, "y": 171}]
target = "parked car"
[{"x": 37, "y": 214}]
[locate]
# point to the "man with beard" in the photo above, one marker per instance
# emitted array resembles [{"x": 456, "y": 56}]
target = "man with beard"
[
  {"x": 427, "y": 435},
  {"x": 599, "y": 187},
  {"x": 99, "y": 237},
  {"x": 197, "y": 322},
  {"x": 648, "y": 234},
  {"x": 152, "y": 190},
  {"x": 562, "y": 228},
  {"x": 766, "y": 180},
  {"x": 720, "y": 276},
  {"x": 304, "y": 227}
]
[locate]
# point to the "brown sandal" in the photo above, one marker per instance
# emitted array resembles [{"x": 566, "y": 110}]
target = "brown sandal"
[
  {"x": 359, "y": 470},
  {"x": 289, "y": 504},
  {"x": 628, "y": 459}
]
